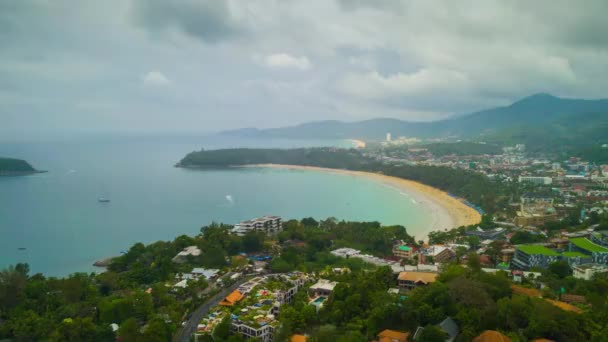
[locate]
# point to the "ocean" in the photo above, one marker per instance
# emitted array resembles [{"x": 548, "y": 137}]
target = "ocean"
[{"x": 57, "y": 218}]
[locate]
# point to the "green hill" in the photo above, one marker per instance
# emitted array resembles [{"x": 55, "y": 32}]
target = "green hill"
[
  {"x": 15, "y": 166},
  {"x": 531, "y": 113}
]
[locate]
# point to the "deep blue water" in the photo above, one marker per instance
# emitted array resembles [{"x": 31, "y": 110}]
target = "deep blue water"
[{"x": 57, "y": 217}]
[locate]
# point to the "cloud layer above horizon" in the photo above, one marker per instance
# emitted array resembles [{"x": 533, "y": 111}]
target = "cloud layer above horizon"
[{"x": 201, "y": 66}]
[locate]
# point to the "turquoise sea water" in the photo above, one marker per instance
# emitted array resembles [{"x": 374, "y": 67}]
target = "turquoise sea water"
[{"x": 57, "y": 217}]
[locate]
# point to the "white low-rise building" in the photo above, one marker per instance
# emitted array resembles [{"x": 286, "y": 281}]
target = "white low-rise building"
[
  {"x": 267, "y": 224},
  {"x": 587, "y": 271}
]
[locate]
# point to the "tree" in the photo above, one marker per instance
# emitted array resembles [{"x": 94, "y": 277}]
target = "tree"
[
  {"x": 253, "y": 242},
  {"x": 561, "y": 269},
  {"x": 157, "y": 330},
  {"x": 431, "y": 333},
  {"x": 473, "y": 262},
  {"x": 222, "y": 330},
  {"x": 129, "y": 330}
]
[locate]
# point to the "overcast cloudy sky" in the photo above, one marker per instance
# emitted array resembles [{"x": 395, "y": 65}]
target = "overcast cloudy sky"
[{"x": 145, "y": 65}]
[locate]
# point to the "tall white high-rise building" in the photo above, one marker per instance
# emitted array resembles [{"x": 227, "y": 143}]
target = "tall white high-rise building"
[{"x": 388, "y": 136}]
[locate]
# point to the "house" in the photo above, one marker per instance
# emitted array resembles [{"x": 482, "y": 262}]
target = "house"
[
  {"x": 232, "y": 298},
  {"x": 392, "y": 336},
  {"x": 491, "y": 336},
  {"x": 411, "y": 280},
  {"x": 322, "y": 288}
]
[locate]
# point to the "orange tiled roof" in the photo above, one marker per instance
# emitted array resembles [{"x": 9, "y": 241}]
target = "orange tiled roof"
[
  {"x": 392, "y": 335},
  {"x": 424, "y": 277},
  {"x": 232, "y": 298},
  {"x": 491, "y": 336},
  {"x": 298, "y": 338}
]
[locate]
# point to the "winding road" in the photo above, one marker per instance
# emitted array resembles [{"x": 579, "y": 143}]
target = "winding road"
[{"x": 183, "y": 334}]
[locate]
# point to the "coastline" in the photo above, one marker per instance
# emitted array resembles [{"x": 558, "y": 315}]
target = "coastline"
[{"x": 447, "y": 211}]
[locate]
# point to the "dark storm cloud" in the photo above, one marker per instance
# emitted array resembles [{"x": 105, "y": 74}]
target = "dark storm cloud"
[{"x": 209, "y": 20}]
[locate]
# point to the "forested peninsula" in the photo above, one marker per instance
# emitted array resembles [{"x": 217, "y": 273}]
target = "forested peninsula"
[
  {"x": 476, "y": 188},
  {"x": 15, "y": 167}
]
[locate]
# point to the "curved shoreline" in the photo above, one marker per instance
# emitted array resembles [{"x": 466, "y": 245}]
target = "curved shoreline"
[{"x": 447, "y": 211}]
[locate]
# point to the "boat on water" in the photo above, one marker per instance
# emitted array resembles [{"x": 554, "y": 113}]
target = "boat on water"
[
  {"x": 103, "y": 200},
  {"x": 21, "y": 248}
]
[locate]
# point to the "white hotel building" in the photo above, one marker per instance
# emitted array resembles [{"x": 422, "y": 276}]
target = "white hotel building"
[{"x": 267, "y": 224}]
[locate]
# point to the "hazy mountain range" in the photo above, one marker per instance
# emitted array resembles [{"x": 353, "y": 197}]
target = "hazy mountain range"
[{"x": 550, "y": 114}]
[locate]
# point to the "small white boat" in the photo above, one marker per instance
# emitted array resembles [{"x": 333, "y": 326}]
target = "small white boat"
[{"x": 103, "y": 200}]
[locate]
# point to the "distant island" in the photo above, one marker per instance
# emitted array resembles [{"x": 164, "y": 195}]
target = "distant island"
[{"x": 16, "y": 167}]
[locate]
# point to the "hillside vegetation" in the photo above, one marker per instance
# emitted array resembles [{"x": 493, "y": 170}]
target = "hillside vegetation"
[{"x": 9, "y": 165}]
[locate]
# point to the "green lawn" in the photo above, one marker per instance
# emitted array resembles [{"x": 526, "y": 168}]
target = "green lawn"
[
  {"x": 535, "y": 249},
  {"x": 588, "y": 245},
  {"x": 574, "y": 255}
]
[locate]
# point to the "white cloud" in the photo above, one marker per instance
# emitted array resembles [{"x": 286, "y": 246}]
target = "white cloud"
[
  {"x": 373, "y": 85},
  {"x": 283, "y": 60},
  {"x": 155, "y": 79}
]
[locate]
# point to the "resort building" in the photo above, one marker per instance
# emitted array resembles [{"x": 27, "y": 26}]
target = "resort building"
[
  {"x": 600, "y": 238},
  {"x": 527, "y": 256},
  {"x": 322, "y": 288},
  {"x": 404, "y": 251},
  {"x": 411, "y": 280},
  {"x": 599, "y": 254},
  {"x": 587, "y": 271},
  {"x": 255, "y": 307},
  {"x": 270, "y": 225},
  {"x": 320, "y": 292}
]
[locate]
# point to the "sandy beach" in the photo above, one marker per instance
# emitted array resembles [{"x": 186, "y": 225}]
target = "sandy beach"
[
  {"x": 358, "y": 143},
  {"x": 447, "y": 211}
]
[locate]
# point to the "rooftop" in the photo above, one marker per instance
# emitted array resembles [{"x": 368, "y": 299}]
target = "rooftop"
[
  {"x": 586, "y": 244},
  {"x": 424, "y": 277},
  {"x": 574, "y": 255},
  {"x": 536, "y": 249},
  {"x": 392, "y": 336}
]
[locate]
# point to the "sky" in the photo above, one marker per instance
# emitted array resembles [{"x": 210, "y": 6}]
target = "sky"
[{"x": 90, "y": 66}]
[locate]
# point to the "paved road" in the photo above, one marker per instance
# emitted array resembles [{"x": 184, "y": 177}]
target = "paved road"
[{"x": 183, "y": 334}]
